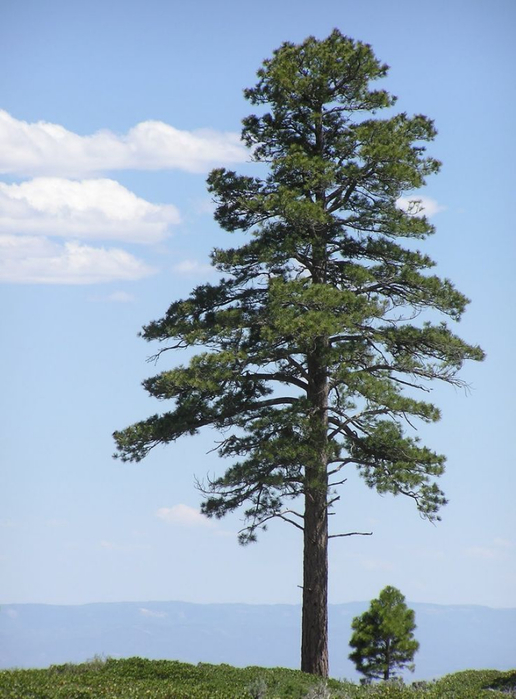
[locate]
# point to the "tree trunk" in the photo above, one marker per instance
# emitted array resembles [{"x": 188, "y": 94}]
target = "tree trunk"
[
  {"x": 314, "y": 643},
  {"x": 387, "y": 671},
  {"x": 314, "y": 634}
]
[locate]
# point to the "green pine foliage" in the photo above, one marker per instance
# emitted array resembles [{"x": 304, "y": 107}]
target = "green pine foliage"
[
  {"x": 323, "y": 277},
  {"x": 383, "y": 636},
  {"x": 327, "y": 327}
]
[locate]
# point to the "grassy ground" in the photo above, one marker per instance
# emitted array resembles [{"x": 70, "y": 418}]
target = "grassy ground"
[{"x": 136, "y": 678}]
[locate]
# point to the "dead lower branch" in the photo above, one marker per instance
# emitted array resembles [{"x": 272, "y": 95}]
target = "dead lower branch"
[{"x": 336, "y": 536}]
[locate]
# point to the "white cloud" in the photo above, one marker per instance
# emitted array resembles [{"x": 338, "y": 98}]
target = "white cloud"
[
  {"x": 92, "y": 209},
  {"x": 37, "y": 260},
  {"x": 43, "y": 148},
  {"x": 155, "y": 145},
  {"x": 420, "y": 206},
  {"x": 35, "y": 214},
  {"x": 184, "y": 516}
]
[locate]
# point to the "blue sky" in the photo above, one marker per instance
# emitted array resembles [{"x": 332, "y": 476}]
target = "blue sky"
[{"x": 112, "y": 114}]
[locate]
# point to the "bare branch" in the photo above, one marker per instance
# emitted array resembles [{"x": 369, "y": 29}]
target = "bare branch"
[
  {"x": 334, "y": 485},
  {"x": 336, "y": 536},
  {"x": 178, "y": 345},
  {"x": 290, "y": 521},
  {"x": 330, "y": 502}
]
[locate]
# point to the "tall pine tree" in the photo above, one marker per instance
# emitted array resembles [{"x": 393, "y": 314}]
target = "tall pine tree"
[{"x": 313, "y": 344}]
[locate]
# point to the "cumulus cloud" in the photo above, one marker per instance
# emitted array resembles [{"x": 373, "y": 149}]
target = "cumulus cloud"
[
  {"x": 420, "y": 206},
  {"x": 35, "y": 217},
  {"x": 42, "y": 148},
  {"x": 38, "y": 260},
  {"x": 184, "y": 516},
  {"x": 92, "y": 209}
]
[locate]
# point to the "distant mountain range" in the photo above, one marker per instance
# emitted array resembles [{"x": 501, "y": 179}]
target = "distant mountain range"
[{"x": 451, "y": 638}]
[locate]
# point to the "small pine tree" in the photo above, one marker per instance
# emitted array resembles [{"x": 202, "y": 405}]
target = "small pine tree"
[{"x": 383, "y": 637}]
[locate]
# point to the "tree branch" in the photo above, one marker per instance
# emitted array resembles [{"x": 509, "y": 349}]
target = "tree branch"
[
  {"x": 336, "y": 536},
  {"x": 280, "y": 515},
  {"x": 279, "y": 376}
]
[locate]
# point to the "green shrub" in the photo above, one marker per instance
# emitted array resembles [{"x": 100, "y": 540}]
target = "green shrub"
[{"x": 138, "y": 678}]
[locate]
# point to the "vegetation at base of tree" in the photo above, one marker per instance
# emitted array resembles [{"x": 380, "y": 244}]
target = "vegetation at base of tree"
[
  {"x": 383, "y": 636},
  {"x": 318, "y": 345},
  {"x": 137, "y": 678}
]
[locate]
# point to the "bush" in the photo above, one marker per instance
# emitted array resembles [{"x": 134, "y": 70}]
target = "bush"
[{"x": 138, "y": 678}]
